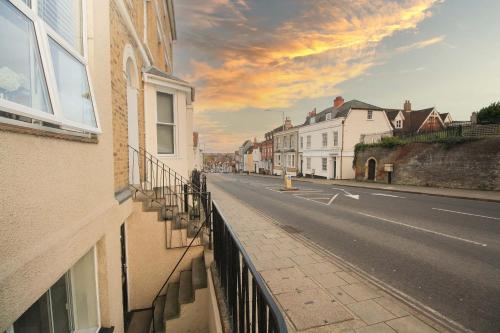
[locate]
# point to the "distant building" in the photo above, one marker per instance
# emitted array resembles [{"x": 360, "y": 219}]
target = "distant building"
[
  {"x": 327, "y": 139},
  {"x": 408, "y": 121},
  {"x": 286, "y": 150}
]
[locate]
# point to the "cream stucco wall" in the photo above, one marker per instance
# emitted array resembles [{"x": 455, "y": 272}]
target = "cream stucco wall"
[
  {"x": 57, "y": 201},
  {"x": 148, "y": 259}
]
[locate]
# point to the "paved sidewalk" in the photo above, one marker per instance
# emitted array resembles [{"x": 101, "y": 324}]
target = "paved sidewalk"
[
  {"x": 317, "y": 292},
  {"x": 493, "y": 196}
]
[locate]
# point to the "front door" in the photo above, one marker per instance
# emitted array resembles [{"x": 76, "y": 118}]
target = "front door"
[
  {"x": 371, "y": 169},
  {"x": 334, "y": 168},
  {"x": 124, "y": 273}
]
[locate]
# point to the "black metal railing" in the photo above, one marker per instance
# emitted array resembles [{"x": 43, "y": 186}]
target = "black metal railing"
[
  {"x": 180, "y": 199},
  {"x": 250, "y": 304}
]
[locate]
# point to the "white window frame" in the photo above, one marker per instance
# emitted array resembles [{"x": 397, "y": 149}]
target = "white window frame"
[
  {"x": 399, "y": 123},
  {"x": 42, "y": 34},
  {"x": 335, "y": 138},
  {"x": 369, "y": 114},
  {"x": 328, "y": 116},
  {"x": 308, "y": 163},
  {"x": 324, "y": 164},
  {"x": 308, "y": 141},
  {"x": 163, "y": 90},
  {"x": 324, "y": 139}
]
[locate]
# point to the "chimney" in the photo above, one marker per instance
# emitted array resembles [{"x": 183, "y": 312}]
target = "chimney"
[
  {"x": 407, "y": 106},
  {"x": 288, "y": 123},
  {"x": 473, "y": 118},
  {"x": 338, "y": 101}
]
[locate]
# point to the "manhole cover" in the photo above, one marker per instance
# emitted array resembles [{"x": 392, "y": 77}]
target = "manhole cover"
[{"x": 290, "y": 229}]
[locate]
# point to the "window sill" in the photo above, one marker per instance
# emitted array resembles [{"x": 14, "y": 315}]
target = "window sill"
[{"x": 17, "y": 126}]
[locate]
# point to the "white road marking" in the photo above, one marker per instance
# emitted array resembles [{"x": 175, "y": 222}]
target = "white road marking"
[
  {"x": 425, "y": 230},
  {"x": 333, "y": 198},
  {"x": 323, "y": 203},
  {"x": 313, "y": 198},
  {"x": 388, "y": 195},
  {"x": 463, "y": 213},
  {"x": 347, "y": 194}
]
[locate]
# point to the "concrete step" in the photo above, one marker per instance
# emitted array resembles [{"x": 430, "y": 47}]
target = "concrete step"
[
  {"x": 168, "y": 212},
  {"x": 193, "y": 226},
  {"x": 172, "y": 308},
  {"x": 159, "y": 322},
  {"x": 186, "y": 294},
  {"x": 194, "y": 317},
  {"x": 199, "y": 273},
  {"x": 140, "y": 321}
]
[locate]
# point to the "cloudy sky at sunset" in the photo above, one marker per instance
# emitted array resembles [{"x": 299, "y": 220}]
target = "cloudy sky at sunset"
[{"x": 252, "y": 59}]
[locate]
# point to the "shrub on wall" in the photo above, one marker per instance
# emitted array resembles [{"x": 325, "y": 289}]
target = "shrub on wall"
[{"x": 489, "y": 114}]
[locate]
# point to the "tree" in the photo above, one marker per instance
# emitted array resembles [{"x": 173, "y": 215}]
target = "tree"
[{"x": 489, "y": 114}]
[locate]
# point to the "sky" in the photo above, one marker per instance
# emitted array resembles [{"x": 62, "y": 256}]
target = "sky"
[{"x": 251, "y": 61}]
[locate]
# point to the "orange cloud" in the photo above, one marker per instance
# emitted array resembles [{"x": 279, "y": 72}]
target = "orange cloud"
[{"x": 305, "y": 57}]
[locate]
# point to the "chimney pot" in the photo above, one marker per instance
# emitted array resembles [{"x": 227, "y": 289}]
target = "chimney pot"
[
  {"x": 407, "y": 106},
  {"x": 338, "y": 101}
]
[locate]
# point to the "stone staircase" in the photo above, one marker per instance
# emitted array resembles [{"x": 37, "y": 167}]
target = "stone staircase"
[
  {"x": 180, "y": 226},
  {"x": 182, "y": 309}
]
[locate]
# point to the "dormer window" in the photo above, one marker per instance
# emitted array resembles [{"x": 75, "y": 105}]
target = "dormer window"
[
  {"x": 399, "y": 124},
  {"x": 328, "y": 116},
  {"x": 312, "y": 120}
]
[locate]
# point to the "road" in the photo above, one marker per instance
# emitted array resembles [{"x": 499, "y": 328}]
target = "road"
[{"x": 443, "y": 252}]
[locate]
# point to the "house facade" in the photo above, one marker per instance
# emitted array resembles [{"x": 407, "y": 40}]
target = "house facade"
[
  {"x": 286, "y": 150},
  {"x": 407, "y": 121},
  {"x": 242, "y": 158},
  {"x": 327, "y": 139},
  {"x": 87, "y": 103},
  {"x": 267, "y": 153}
]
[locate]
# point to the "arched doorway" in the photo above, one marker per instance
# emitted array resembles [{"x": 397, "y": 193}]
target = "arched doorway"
[
  {"x": 132, "y": 116},
  {"x": 372, "y": 167}
]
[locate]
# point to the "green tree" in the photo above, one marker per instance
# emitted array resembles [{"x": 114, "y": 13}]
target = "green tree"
[{"x": 489, "y": 114}]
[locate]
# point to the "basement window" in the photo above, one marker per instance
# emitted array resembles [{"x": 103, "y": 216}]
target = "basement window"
[{"x": 43, "y": 65}]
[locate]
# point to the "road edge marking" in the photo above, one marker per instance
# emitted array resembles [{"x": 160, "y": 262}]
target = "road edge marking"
[{"x": 470, "y": 214}]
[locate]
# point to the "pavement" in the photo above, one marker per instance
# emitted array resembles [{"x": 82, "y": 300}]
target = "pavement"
[
  {"x": 317, "y": 292},
  {"x": 438, "y": 255}
]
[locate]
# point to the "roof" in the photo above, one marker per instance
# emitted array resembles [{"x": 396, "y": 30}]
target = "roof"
[
  {"x": 416, "y": 119},
  {"x": 158, "y": 72},
  {"x": 342, "y": 111},
  {"x": 443, "y": 116},
  {"x": 392, "y": 113}
]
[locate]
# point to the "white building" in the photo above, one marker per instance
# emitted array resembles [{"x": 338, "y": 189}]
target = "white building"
[{"x": 327, "y": 139}]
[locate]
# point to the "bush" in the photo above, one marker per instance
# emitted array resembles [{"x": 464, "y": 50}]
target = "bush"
[{"x": 489, "y": 114}]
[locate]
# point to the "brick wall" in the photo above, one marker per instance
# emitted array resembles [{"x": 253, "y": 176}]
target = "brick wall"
[
  {"x": 471, "y": 165},
  {"x": 120, "y": 37}
]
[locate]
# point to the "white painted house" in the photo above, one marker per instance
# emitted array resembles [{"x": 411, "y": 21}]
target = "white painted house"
[{"x": 327, "y": 139}]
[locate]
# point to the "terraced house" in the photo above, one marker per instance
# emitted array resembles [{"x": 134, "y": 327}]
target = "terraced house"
[{"x": 96, "y": 152}]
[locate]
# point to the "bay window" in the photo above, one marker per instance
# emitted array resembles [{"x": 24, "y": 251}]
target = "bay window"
[
  {"x": 43, "y": 64},
  {"x": 165, "y": 125}
]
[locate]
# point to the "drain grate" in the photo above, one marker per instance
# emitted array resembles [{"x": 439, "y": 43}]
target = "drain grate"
[{"x": 290, "y": 229}]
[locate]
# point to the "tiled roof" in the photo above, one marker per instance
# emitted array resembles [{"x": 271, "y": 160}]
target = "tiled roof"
[{"x": 342, "y": 111}]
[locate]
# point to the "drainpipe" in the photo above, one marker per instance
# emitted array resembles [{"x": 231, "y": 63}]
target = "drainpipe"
[{"x": 342, "y": 149}]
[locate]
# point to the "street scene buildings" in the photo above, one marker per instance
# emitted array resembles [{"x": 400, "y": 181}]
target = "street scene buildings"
[{"x": 147, "y": 186}]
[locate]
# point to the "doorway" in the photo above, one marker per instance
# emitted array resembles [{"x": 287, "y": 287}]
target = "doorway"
[
  {"x": 372, "y": 165},
  {"x": 133, "y": 122},
  {"x": 334, "y": 168},
  {"x": 123, "y": 247}
]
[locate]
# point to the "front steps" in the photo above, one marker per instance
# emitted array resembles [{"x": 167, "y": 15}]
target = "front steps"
[{"x": 179, "y": 228}]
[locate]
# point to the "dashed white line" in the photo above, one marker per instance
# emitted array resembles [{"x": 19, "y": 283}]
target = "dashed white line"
[
  {"x": 470, "y": 214},
  {"x": 425, "y": 230}
]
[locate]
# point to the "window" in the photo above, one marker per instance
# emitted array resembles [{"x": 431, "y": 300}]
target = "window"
[
  {"x": 324, "y": 139},
  {"x": 293, "y": 161},
  {"x": 165, "y": 125},
  {"x": 328, "y": 116},
  {"x": 324, "y": 163},
  {"x": 335, "y": 139},
  {"x": 43, "y": 63},
  {"x": 301, "y": 142},
  {"x": 369, "y": 115},
  {"x": 308, "y": 141},
  {"x": 398, "y": 124},
  {"x": 70, "y": 305},
  {"x": 308, "y": 163}
]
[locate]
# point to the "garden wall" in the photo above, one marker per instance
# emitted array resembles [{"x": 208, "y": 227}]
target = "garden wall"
[{"x": 469, "y": 165}]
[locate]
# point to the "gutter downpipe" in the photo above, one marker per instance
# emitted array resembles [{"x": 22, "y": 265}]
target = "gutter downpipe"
[{"x": 342, "y": 149}]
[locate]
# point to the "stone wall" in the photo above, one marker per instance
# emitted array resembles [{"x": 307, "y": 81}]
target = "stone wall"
[{"x": 470, "y": 165}]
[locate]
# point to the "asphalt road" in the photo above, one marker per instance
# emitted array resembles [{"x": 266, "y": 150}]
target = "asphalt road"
[{"x": 444, "y": 252}]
